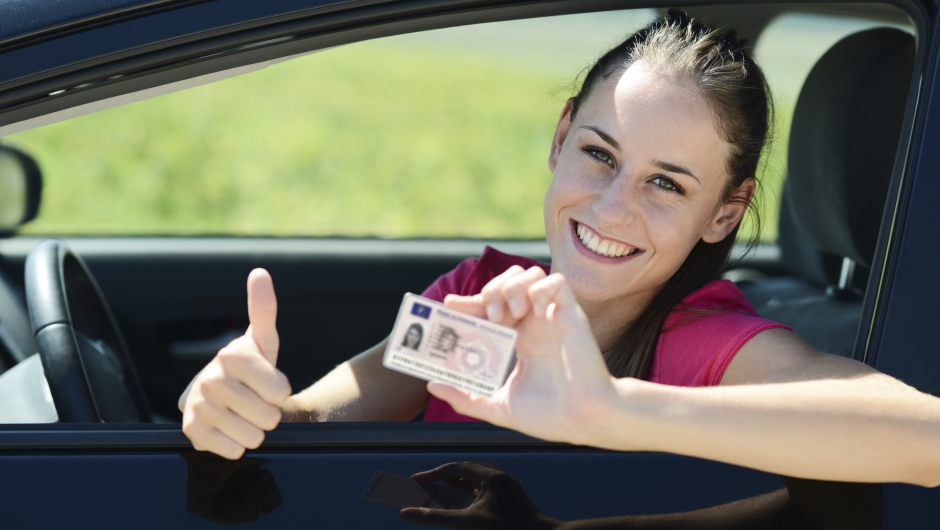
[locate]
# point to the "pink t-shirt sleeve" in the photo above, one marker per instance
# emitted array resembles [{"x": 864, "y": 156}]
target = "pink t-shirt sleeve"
[
  {"x": 452, "y": 282},
  {"x": 701, "y": 337}
]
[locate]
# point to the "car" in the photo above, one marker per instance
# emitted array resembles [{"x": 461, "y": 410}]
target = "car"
[{"x": 102, "y": 328}]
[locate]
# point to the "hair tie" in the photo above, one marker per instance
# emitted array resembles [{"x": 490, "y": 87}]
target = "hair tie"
[
  {"x": 730, "y": 42},
  {"x": 678, "y": 17}
]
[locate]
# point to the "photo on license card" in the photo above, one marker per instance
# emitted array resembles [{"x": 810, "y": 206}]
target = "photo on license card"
[{"x": 433, "y": 342}]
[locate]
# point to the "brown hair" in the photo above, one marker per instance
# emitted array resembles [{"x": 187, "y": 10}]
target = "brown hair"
[{"x": 735, "y": 88}]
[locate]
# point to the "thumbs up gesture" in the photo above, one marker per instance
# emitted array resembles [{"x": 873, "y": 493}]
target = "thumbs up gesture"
[{"x": 236, "y": 397}]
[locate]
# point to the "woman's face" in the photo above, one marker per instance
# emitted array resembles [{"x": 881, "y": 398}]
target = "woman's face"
[
  {"x": 639, "y": 178},
  {"x": 412, "y": 337}
]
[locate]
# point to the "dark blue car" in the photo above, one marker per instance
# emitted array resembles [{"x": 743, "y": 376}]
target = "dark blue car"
[{"x": 99, "y": 334}]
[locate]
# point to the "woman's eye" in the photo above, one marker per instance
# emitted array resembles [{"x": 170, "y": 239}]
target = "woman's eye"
[
  {"x": 600, "y": 155},
  {"x": 667, "y": 184}
]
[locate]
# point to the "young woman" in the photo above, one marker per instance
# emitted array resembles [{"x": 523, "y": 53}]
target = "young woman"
[{"x": 629, "y": 341}]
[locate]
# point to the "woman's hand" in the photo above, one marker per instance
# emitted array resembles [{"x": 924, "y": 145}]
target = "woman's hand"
[
  {"x": 560, "y": 382},
  {"x": 236, "y": 397}
]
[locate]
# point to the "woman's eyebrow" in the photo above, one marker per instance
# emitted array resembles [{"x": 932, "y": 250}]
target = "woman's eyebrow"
[
  {"x": 604, "y": 136},
  {"x": 672, "y": 168}
]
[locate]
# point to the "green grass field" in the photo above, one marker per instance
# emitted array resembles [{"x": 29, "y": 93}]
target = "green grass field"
[{"x": 391, "y": 138}]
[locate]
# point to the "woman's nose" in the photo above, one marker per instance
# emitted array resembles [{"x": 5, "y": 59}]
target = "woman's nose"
[{"x": 615, "y": 204}]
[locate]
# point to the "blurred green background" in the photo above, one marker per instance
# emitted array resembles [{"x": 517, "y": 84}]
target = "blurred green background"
[{"x": 440, "y": 134}]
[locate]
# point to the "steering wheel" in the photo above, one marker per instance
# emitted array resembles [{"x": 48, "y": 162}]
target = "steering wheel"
[{"x": 91, "y": 376}]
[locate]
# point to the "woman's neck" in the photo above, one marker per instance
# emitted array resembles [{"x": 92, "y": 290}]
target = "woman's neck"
[{"x": 610, "y": 319}]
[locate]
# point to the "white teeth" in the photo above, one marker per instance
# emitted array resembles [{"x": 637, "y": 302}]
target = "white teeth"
[
  {"x": 593, "y": 242},
  {"x": 601, "y": 246}
]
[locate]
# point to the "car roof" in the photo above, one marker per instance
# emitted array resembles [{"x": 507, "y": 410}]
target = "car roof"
[
  {"x": 57, "y": 56},
  {"x": 28, "y": 18}
]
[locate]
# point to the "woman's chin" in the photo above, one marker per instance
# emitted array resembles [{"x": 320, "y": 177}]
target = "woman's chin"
[{"x": 590, "y": 288}]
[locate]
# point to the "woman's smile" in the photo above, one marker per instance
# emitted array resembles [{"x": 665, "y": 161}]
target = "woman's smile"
[{"x": 604, "y": 249}]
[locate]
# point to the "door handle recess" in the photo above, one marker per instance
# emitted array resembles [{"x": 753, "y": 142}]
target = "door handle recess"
[{"x": 192, "y": 350}]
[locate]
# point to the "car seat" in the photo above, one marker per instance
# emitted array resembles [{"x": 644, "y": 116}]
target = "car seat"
[
  {"x": 16, "y": 337},
  {"x": 843, "y": 144}
]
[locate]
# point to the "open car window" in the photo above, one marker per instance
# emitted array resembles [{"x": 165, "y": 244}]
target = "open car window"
[
  {"x": 435, "y": 134},
  {"x": 441, "y": 134}
]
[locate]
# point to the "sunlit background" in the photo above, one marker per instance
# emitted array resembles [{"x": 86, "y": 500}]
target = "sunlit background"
[{"x": 440, "y": 134}]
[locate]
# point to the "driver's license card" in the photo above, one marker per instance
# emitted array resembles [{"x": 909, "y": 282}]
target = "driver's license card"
[{"x": 435, "y": 343}]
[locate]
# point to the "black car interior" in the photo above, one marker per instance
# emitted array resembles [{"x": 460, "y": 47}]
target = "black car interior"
[
  {"x": 843, "y": 143},
  {"x": 177, "y": 301}
]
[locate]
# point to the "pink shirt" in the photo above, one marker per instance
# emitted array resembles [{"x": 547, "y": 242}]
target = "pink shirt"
[{"x": 702, "y": 333}]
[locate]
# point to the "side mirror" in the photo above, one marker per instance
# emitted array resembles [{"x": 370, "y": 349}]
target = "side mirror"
[{"x": 20, "y": 188}]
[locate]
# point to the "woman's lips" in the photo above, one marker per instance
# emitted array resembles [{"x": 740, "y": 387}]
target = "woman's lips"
[{"x": 592, "y": 244}]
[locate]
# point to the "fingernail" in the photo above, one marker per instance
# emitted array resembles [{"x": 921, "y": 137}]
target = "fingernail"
[
  {"x": 514, "y": 308},
  {"x": 494, "y": 312}
]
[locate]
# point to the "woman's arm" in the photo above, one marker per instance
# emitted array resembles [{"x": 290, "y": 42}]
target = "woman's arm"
[
  {"x": 241, "y": 394},
  {"x": 785, "y": 408},
  {"x": 360, "y": 389},
  {"x": 796, "y": 412}
]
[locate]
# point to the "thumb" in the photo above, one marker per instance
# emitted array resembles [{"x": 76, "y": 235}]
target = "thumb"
[
  {"x": 471, "y": 305},
  {"x": 262, "y": 314}
]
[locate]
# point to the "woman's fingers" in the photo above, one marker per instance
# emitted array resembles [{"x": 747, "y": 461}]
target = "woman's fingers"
[
  {"x": 471, "y": 305},
  {"x": 463, "y": 402},
  {"x": 515, "y": 291},
  {"x": 246, "y": 403},
  {"x": 493, "y": 300},
  {"x": 505, "y": 298},
  {"x": 206, "y": 438},
  {"x": 552, "y": 290},
  {"x": 230, "y": 424},
  {"x": 242, "y": 362}
]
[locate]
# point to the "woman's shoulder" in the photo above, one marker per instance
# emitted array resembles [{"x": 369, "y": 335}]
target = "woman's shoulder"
[
  {"x": 703, "y": 333},
  {"x": 719, "y": 296},
  {"x": 469, "y": 277}
]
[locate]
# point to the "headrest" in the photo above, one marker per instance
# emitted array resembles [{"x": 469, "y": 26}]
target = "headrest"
[{"x": 844, "y": 138}]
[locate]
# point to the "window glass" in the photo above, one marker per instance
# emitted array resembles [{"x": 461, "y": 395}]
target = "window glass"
[
  {"x": 438, "y": 134},
  {"x": 787, "y": 50}
]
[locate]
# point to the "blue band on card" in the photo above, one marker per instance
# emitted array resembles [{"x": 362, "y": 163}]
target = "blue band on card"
[{"x": 422, "y": 311}]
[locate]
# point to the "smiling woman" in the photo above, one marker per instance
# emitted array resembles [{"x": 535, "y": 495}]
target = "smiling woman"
[{"x": 656, "y": 158}]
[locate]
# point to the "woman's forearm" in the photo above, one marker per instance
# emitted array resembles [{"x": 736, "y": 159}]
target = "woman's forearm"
[
  {"x": 870, "y": 428},
  {"x": 360, "y": 389}
]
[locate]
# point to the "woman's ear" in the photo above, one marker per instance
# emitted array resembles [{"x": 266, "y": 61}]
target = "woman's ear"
[
  {"x": 561, "y": 132},
  {"x": 730, "y": 212}
]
